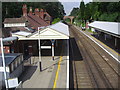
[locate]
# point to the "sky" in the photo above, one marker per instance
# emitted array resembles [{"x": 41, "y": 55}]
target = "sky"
[{"x": 70, "y": 4}]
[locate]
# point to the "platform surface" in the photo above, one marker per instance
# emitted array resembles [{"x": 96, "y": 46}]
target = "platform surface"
[{"x": 53, "y": 74}]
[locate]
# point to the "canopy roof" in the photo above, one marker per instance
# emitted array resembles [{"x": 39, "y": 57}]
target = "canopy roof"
[
  {"x": 9, "y": 39},
  {"x": 15, "y": 20},
  {"x": 108, "y": 27},
  {"x": 61, "y": 27},
  {"x": 9, "y": 58},
  {"x": 56, "y": 31}
]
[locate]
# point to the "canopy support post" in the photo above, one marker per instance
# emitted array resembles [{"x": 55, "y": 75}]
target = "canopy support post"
[
  {"x": 115, "y": 42},
  {"x": 52, "y": 48},
  {"x": 105, "y": 37}
]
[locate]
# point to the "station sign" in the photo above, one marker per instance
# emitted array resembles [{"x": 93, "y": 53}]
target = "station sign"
[
  {"x": 13, "y": 82},
  {"x": 52, "y": 40}
]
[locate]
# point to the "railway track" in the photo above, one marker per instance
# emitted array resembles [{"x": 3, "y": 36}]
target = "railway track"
[
  {"x": 80, "y": 73},
  {"x": 102, "y": 69}
]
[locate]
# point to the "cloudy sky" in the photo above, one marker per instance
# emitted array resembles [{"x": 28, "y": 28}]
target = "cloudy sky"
[{"x": 70, "y": 4}]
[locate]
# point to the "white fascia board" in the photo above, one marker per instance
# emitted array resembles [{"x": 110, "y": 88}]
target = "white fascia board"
[{"x": 14, "y": 25}]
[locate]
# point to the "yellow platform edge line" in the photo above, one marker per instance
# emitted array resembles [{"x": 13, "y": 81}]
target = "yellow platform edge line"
[{"x": 57, "y": 73}]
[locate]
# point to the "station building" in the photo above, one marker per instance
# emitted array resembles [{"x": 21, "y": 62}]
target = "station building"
[
  {"x": 28, "y": 42},
  {"x": 28, "y": 22}
]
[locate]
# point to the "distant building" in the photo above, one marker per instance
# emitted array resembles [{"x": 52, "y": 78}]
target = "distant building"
[{"x": 29, "y": 22}]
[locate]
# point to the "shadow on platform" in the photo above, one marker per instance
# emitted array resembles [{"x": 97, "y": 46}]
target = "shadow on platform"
[
  {"x": 75, "y": 55},
  {"x": 27, "y": 73}
]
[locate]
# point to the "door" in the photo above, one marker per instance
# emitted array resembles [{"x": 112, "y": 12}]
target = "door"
[{"x": 26, "y": 50}]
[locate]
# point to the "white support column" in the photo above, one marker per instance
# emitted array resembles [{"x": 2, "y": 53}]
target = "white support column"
[
  {"x": 53, "y": 50},
  {"x": 67, "y": 86},
  {"x": 105, "y": 37},
  {"x": 52, "y": 41},
  {"x": 98, "y": 35},
  {"x": 115, "y": 42}
]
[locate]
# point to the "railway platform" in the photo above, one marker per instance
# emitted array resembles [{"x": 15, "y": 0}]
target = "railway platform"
[
  {"x": 108, "y": 49},
  {"x": 53, "y": 74}
]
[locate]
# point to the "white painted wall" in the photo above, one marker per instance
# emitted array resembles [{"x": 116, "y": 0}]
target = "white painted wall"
[{"x": 15, "y": 25}]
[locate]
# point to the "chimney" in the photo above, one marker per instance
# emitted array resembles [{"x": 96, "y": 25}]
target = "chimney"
[
  {"x": 24, "y": 8},
  {"x": 30, "y": 11},
  {"x": 37, "y": 12},
  {"x": 42, "y": 13}
]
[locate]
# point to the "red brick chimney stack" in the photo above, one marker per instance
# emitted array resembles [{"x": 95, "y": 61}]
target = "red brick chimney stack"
[
  {"x": 24, "y": 8},
  {"x": 42, "y": 13},
  {"x": 37, "y": 12},
  {"x": 30, "y": 11}
]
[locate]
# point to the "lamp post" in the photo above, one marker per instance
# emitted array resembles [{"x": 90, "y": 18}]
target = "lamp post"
[
  {"x": 3, "y": 57},
  {"x": 40, "y": 64},
  {"x": 4, "y": 66}
]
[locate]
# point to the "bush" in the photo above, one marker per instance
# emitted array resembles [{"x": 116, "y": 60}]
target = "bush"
[{"x": 56, "y": 20}]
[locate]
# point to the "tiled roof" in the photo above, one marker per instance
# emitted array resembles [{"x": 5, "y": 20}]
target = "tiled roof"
[
  {"x": 47, "y": 18},
  {"x": 15, "y": 20},
  {"x": 9, "y": 58},
  {"x": 36, "y": 21},
  {"x": 6, "y": 31},
  {"x": 31, "y": 20}
]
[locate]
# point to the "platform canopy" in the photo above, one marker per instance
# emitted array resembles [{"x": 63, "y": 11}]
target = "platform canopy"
[
  {"x": 107, "y": 27},
  {"x": 55, "y": 31}
]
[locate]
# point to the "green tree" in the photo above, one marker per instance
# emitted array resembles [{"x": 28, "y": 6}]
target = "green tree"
[
  {"x": 14, "y": 9},
  {"x": 74, "y": 12},
  {"x": 82, "y": 10},
  {"x": 87, "y": 14},
  {"x": 110, "y": 11},
  {"x": 103, "y": 11},
  {"x": 56, "y": 20}
]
